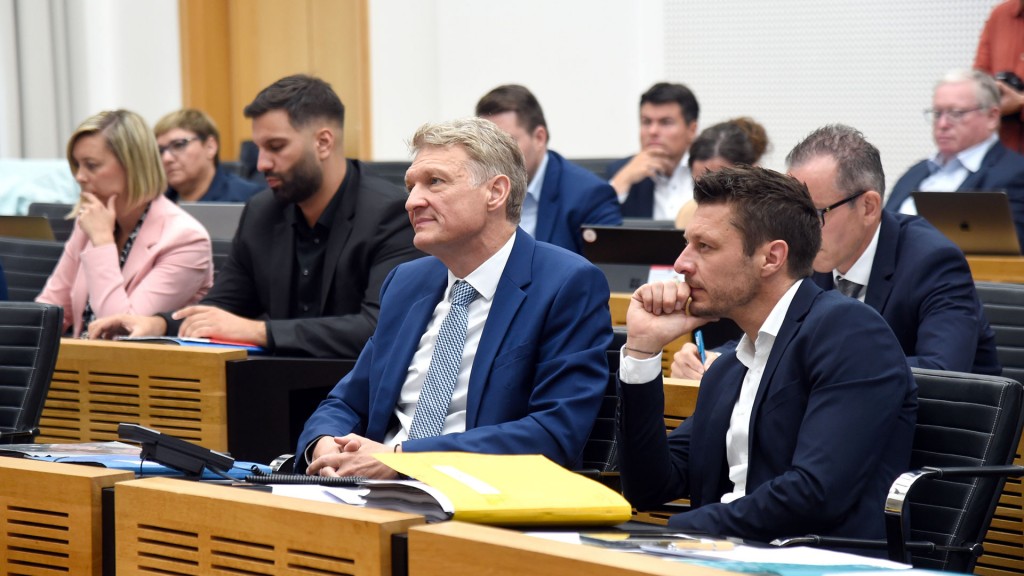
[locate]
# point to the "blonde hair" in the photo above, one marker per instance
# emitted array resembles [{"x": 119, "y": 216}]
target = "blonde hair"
[
  {"x": 130, "y": 139},
  {"x": 491, "y": 152}
]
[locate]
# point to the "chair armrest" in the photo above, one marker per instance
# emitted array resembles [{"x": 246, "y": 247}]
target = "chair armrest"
[{"x": 10, "y": 436}]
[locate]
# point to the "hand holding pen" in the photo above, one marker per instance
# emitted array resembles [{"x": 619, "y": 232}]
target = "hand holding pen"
[{"x": 692, "y": 360}]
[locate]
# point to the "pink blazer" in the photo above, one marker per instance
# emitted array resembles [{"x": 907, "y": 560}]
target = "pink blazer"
[{"x": 170, "y": 265}]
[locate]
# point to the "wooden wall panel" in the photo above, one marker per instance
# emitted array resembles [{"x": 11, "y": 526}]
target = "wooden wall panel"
[{"x": 231, "y": 49}]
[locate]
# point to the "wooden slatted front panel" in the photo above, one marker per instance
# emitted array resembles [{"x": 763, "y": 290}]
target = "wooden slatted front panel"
[
  {"x": 1004, "y": 542},
  {"x": 50, "y": 517},
  {"x": 167, "y": 526},
  {"x": 175, "y": 389}
]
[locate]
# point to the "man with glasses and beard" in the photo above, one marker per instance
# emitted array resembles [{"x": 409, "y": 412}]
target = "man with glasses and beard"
[{"x": 310, "y": 254}]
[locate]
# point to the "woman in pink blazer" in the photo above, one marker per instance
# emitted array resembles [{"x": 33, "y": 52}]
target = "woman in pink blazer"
[{"x": 132, "y": 251}]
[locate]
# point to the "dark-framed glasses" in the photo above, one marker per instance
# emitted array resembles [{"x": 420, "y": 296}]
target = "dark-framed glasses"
[
  {"x": 822, "y": 211},
  {"x": 954, "y": 115},
  {"x": 176, "y": 146}
]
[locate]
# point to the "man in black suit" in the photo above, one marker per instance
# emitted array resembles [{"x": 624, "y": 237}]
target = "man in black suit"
[
  {"x": 656, "y": 181},
  {"x": 310, "y": 254},
  {"x": 965, "y": 125}
]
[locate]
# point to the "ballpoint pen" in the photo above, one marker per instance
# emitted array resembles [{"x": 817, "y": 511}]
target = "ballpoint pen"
[{"x": 698, "y": 337}]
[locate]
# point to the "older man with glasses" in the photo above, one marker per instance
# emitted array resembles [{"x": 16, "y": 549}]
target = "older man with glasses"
[
  {"x": 898, "y": 264},
  {"x": 190, "y": 151},
  {"x": 965, "y": 125}
]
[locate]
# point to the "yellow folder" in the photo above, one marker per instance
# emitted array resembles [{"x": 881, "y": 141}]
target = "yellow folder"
[{"x": 511, "y": 489}]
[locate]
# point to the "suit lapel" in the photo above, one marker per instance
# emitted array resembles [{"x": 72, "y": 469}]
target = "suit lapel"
[
  {"x": 975, "y": 180},
  {"x": 884, "y": 266},
  {"x": 547, "y": 210},
  {"x": 383, "y": 398},
  {"x": 281, "y": 251},
  {"x": 798, "y": 308},
  {"x": 341, "y": 229},
  {"x": 509, "y": 296},
  {"x": 715, "y": 471}
]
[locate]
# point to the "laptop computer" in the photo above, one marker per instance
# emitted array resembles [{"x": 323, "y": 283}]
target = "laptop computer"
[
  {"x": 219, "y": 218},
  {"x": 28, "y": 227},
  {"x": 977, "y": 222},
  {"x": 627, "y": 255}
]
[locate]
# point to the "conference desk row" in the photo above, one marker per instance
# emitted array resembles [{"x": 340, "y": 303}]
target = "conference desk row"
[{"x": 65, "y": 518}]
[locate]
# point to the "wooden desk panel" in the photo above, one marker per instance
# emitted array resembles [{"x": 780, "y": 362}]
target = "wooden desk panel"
[
  {"x": 997, "y": 268},
  {"x": 1004, "y": 541},
  {"x": 179, "y": 390},
  {"x": 168, "y": 526},
  {"x": 51, "y": 516},
  {"x": 460, "y": 549}
]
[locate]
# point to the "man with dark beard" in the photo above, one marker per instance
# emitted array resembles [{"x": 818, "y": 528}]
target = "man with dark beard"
[
  {"x": 803, "y": 428},
  {"x": 310, "y": 254}
]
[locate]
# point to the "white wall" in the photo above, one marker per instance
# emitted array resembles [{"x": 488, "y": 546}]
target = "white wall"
[
  {"x": 587, "y": 61},
  {"x": 792, "y": 64}
]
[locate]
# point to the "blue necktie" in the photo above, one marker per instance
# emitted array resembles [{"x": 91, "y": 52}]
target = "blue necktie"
[{"x": 432, "y": 406}]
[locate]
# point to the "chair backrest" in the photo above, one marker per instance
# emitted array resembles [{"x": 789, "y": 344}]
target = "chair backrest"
[
  {"x": 29, "y": 341},
  {"x": 962, "y": 420},
  {"x": 1004, "y": 308},
  {"x": 601, "y": 449},
  {"x": 27, "y": 264},
  {"x": 56, "y": 214}
]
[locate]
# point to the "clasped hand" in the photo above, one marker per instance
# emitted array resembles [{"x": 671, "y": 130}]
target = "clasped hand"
[{"x": 349, "y": 455}]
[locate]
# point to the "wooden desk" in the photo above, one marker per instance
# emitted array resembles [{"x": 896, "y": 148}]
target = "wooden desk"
[
  {"x": 176, "y": 389},
  {"x": 680, "y": 400},
  {"x": 997, "y": 268},
  {"x": 52, "y": 516},
  {"x": 170, "y": 526},
  {"x": 459, "y": 549},
  {"x": 252, "y": 407}
]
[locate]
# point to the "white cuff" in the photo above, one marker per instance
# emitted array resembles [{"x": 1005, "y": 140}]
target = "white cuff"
[{"x": 637, "y": 371}]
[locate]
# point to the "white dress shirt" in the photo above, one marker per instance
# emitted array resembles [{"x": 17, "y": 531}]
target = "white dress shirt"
[
  {"x": 670, "y": 191},
  {"x": 485, "y": 280},
  {"x": 948, "y": 176},
  {"x": 531, "y": 202}
]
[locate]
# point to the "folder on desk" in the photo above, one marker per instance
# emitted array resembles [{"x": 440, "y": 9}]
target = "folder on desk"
[
  {"x": 187, "y": 341},
  {"x": 508, "y": 490}
]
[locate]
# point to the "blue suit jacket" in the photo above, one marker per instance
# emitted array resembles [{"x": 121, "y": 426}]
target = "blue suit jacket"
[
  {"x": 1001, "y": 169},
  {"x": 225, "y": 187},
  {"x": 831, "y": 428},
  {"x": 570, "y": 197},
  {"x": 540, "y": 370},
  {"x": 921, "y": 284},
  {"x": 640, "y": 202}
]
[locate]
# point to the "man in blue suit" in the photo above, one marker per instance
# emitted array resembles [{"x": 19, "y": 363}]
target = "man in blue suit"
[
  {"x": 800, "y": 430},
  {"x": 561, "y": 196},
  {"x": 899, "y": 265},
  {"x": 656, "y": 181},
  {"x": 965, "y": 126},
  {"x": 533, "y": 370}
]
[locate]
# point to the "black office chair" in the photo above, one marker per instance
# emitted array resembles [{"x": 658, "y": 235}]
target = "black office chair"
[
  {"x": 56, "y": 214},
  {"x": 968, "y": 427},
  {"x": 27, "y": 264},
  {"x": 601, "y": 451},
  {"x": 1004, "y": 308},
  {"x": 29, "y": 341}
]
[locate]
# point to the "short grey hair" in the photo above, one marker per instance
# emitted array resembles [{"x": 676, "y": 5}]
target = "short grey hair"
[
  {"x": 858, "y": 162},
  {"x": 986, "y": 90},
  {"x": 491, "y": 152}
]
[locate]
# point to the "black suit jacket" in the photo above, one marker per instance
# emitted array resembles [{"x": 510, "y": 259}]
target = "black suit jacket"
[
  {"x": 370, "y": 236},
  {"x": 1001, "y": 169},
  {"x": 640, "y": 202}
]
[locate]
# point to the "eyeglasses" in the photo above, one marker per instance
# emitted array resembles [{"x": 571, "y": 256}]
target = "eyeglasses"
[
  {"x": 822, "y": 211},
  {"x": 954, "y": 116},
  {"x": 176, "y": 146}
]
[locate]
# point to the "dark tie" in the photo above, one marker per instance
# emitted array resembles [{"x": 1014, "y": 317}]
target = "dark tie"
[
  {"x": 432, "y": 406},
  {"x": 848, "y": 287}
]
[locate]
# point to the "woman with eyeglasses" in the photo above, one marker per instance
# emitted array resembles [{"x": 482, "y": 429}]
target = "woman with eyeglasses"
[
  {"x": 132, "y": 250},
  {"x": 740, "y": 141},
  {"x": 189, "y": 146}
]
